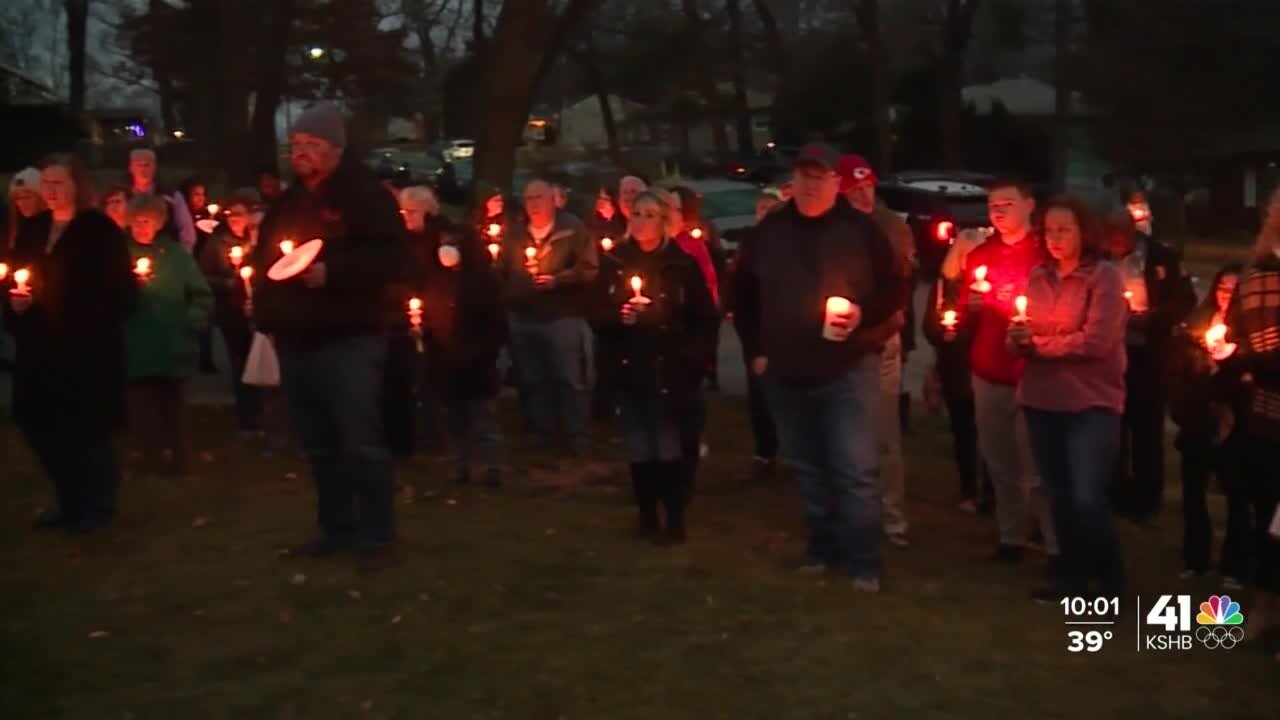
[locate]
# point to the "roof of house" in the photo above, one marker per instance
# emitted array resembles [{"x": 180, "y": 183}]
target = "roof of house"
[{"x": 1022, "y": 95}]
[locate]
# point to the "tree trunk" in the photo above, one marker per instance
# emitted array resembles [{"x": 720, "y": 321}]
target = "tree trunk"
[
  {"x": 741, "y": 109},
  {"x": 591, "y": 64},
  {"x": 233, "y": 69},
  {"x": 773, "y": 35},
  {"x": 1062, "y": 111},
  {"x": 271, "y": 68},
  {"x": 77, "y": 29},
  {"x": 868, "y": 16},
  {"x": 477, "y": 22},
  {"x": 956, "y": 34},
  {"x": 696, "y": 38}
]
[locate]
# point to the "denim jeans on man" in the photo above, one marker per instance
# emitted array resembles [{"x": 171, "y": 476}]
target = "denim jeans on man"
[
  {"x": 1076, "y": 453},
  {"x": 334, "y": 389},
  {"x": 552, "y": 362},
  {"x": 1002, "y": 439},
  {"x": 828, "y": 436}
]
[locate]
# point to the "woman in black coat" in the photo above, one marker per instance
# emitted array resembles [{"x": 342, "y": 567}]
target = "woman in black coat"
[
  {"x": 68, "y": 323},
  {"x": 464, "y": 325},
  {"x": 665, "y": 333}
]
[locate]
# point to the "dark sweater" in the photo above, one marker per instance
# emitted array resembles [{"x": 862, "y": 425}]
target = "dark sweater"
[
  {"x": 357, "y": 219},
  {"x": 568, "y": 253},
  {"x": 787, "y": 272}
]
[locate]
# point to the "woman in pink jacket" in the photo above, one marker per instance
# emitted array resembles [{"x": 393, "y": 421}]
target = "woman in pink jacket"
[{"x": 1071, "y": 334}]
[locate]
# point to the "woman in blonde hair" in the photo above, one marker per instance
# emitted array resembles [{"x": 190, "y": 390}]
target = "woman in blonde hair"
[
  {"x": 1253, "y": 321},
  {"x": 662, "y": 320}
]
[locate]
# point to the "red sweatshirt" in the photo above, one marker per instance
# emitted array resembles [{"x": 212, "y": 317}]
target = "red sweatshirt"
[
  {"x": 1008, "y": 268},
  {"x": 698, "y": 250}
]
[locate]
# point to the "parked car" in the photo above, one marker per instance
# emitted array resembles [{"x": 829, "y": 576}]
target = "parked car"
[
  {"x": 773, "y": 162},
  {"x": 727, "y": 204},
  {"x": 458, "y": 149},
  {"x": 936, "y": 205}
]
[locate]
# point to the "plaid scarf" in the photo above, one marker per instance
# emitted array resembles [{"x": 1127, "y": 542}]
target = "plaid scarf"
[{"x": 1256, "y": 326}]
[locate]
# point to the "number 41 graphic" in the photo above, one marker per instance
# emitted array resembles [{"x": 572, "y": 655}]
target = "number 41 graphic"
[{"x": 1173, "y": 619}]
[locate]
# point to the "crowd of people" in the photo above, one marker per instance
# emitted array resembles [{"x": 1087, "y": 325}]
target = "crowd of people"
[{"x": 1064, "y": 338}]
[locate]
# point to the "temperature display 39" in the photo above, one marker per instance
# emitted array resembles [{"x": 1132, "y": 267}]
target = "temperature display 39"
[{"x": 1090, "y": 622}]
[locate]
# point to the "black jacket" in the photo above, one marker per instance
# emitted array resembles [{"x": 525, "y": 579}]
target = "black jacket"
[
  {"x": 661, "y": 359},
  {"x": 464, "y": 322},
  {"x": 792, "y": 266},
  {"x": 568, "y": 253},
  {"x": 1170, "y": 295},
  {"x": 69, "y": 366},
  {"x": 364, "y": 241},
  {"x": 598, "y": 227}
]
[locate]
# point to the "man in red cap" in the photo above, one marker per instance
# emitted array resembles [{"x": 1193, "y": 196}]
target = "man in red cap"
[{"x": 858, "y": 185}]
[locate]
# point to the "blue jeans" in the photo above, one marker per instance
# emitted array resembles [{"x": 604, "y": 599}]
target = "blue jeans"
[
  {"x": 334, "y": 391},
  {"x": 828, "y": 436},
  {"x": 552, "y": 365},
  {"x": 1076, "y": 454}
]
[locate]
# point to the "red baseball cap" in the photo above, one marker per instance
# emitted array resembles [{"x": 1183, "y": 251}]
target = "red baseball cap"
[{"x": 854, "y": 169}]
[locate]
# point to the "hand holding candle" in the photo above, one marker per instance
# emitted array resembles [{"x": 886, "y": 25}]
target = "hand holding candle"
[
  {"x": 637, "y": 298},
  {"x": 949, "y": 322},
  {"x": 415, "y": 322},
  {"x": 21, "y": 277},
  {"x": 1215, "y": 341},
  {"x": 236, "y": 254},
  {"x": 980, "y": 283},
  {"x": 531, "y": 260},
  {"x": 142, "y": 268},
  {"x": 246, "y": 274},
  {"x": 1020, "y": 306},
  {"x": 842, "y": 318}
]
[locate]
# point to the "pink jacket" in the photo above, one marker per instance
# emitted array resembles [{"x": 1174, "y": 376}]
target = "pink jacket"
[
  {"x": 1077, "y": 327},
  {"x": 697, "y": 249}
]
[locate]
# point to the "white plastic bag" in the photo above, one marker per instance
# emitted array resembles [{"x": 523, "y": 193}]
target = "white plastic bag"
[{"x": 262, "y": 367}]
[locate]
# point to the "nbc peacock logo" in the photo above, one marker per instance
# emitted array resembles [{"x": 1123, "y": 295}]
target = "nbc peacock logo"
[{"x": 1219, "y": 620}]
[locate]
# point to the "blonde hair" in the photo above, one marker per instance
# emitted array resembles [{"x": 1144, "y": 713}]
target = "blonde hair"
[
  {"x": 148, "y": 204},
  {"x": 662, "y": 199}
]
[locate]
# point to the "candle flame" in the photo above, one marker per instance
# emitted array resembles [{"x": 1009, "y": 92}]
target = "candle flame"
[
  {"x": 606, "y": 243},
  {"x": 948, "y": 318},
  {"x": 696, "y": 233},
  {"x": 21, "y": 276},
  {"x": 636, "y": 284},
  {"x": 4, "y": 270},
  {"x": 530, "y": 252},
  {"x": 980, "y": 273},
  {"x": 415, "y": 304},
  {"x": 286, "y": 246},
  {"x": 1020, "y": 303},
  {"x": 494, "y": 230},
  {"x": 494, "y": 248},
  {"x": 246, "y": 272},
  {"x": 237, "y": 253},
  {"x": 214, "y": 208},
  {"x": 837, "y": 305},
  {"x": 1215, "y": 335},
  {"x": 143, "y": 266}
]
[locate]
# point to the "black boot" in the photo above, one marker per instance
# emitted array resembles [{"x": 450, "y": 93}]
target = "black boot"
[
  {"x": 642, "y": 484},
  {"x": 674, "y": 484}
]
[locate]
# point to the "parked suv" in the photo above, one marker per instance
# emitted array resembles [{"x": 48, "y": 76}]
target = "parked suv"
[{"x": 936, "y": 205}]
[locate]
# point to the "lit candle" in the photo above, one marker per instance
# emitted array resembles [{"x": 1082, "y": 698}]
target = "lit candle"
[
  {"x": 4, "y": 271},
  {"x": 494, "y": 230},
  {"x": 949, "y": 319},
  {"x": 530, "y": 259},
  {"x": 415, "y": 321},
  {"x": 286, "y": 246},
  {"x": 1215, "y": 340},
  {"x": 213, "y": 209},
  {"x": 246, "y": 274},
  {"x": 237, "y": 255},
  {"x": 606, "y": 244},
  {"x": 636, "y": 284},
  {"x": 836, "y": 307},
  {"x": 1020, "y": 304},
  {"x": 494, "y": 249},
  {"x": 696, "y": 233},
  {"x": 21, "y": 276},
  {"x": 142, "y": 268},
  {"x": 980, "y": 283}
]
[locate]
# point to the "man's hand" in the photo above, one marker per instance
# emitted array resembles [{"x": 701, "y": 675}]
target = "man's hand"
[
  {"x": 842, "y": 326},
  {"x": 1019, "y": 338},
  {"x": 759, "y": 365},
  {"x": 20, "y": 303},
  {"x": 315, "y": 276},
  {"x": 631, "y": 313},
  {"x": 544, "y": 282}
]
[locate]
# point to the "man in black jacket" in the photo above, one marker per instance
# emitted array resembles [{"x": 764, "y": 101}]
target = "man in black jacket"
[
  {"x": 1160, "y": 296},
  {"x": 329, "y": 324},
  {"x": 821, "y": 361}
]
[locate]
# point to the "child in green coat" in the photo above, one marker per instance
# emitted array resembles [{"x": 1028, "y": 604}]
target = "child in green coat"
[{"x": 173, "y": 306}]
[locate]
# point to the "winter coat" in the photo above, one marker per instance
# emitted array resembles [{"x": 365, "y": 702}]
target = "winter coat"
[
  {"x": 363, "y": 244},
  {"x": 69, "y": 364},
  {"x": 662, "y": 358},
  {"x": 224, "y": 279},
  {"x": 174, "y": 304},
  {"x": 568, "y": 253}
]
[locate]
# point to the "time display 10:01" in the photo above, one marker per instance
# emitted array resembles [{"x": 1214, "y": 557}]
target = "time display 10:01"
[{"x": 1078, "y": 606}]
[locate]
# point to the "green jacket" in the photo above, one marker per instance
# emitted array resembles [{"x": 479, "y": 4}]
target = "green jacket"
[{"x": 173, "y": 304}]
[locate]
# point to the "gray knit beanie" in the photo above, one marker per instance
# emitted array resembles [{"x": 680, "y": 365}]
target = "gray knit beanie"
[{"x": 323, "y": 120}]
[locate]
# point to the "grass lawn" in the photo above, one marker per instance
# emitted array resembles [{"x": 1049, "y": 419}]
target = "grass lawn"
[{"x": 529, "y": 604}]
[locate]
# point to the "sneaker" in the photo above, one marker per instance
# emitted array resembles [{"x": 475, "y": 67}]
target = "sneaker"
[
  {"x": 866, "y": 585},
  {"x": 1008, "y": 555},
  {"x": 1231, "y": 583},
  {"x": 320, "y": 548}
]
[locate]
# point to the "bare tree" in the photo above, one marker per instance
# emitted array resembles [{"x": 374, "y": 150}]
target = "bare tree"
[
  {"x": 77, "y": 32},
  {"x": 957, "y": 29},
  {"x": 696, "y": 40},
  {"x": 741, "y": 109},
  {"x": 867, "y": 13}
]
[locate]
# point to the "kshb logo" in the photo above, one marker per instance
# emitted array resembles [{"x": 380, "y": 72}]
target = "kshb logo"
[{"x": 1168, "y": 624}]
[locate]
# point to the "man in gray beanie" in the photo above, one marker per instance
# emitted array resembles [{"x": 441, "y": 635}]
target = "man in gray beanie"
[{"x": 330, "y": 327}]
